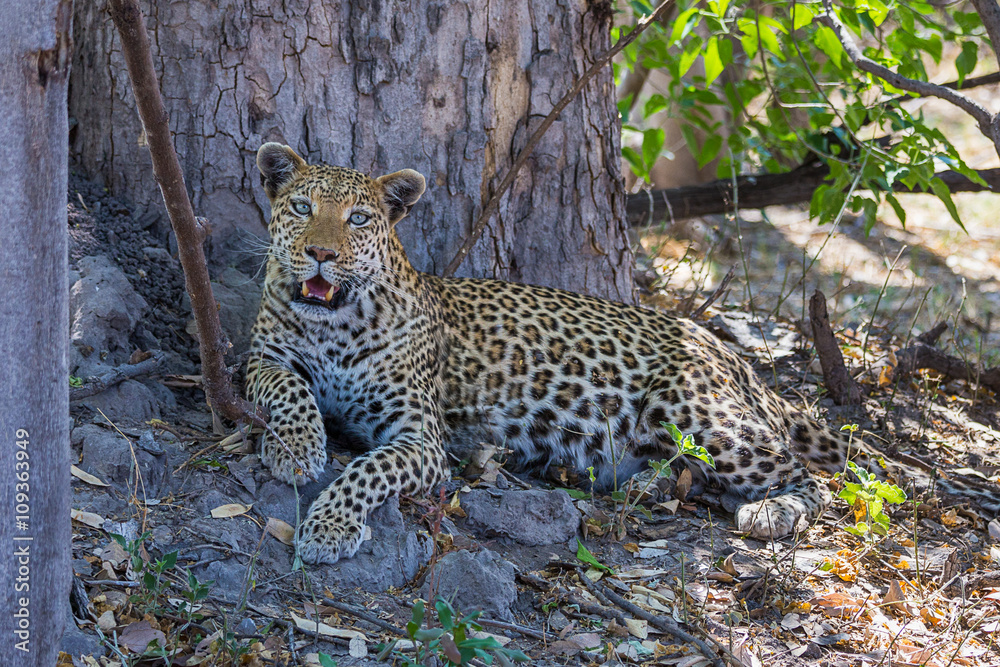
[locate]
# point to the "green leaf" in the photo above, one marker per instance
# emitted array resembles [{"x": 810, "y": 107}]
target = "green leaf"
[
  {"x": 427, "y": 634},
  {"x": 652, "y": 144},
  {"x": 170, "y": 560},
  {"x": 583, "y": 555},
  {"x": 577, "y": 494},
  {"x": 802, "y": 15},
  {"x": 897, "y": 207},
  {"x": 940, "y": 188},
  {"x": 416, "y": 619},
  {"x": 445, "y": 613},
  {"x": 635, "y": 162},
  {"x": 713, "y": 62},
  {"x": 683, "y": 25},
  {"x": 709, "y": 149},
  {"x": 326, "y": 661},
  {"x": 692, "y": 49},
  {"x": 828, "y": 43},
  {"x": 654, "y": 104},
  {"x": 965, "y": 62}
]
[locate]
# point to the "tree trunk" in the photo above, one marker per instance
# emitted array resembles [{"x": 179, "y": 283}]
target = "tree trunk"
[
  {"x": 34, "y": 327},
  {"x": 441, "y": 87}
]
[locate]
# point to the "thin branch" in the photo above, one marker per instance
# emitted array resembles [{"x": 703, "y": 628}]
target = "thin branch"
[
  {"x": 987, "y": 121},
  {"x": 602, "y": 61},
  {"x": 129, "y": 21},
  {"x": 661, "y": 622},
  {"x": 97, "y": 385}
]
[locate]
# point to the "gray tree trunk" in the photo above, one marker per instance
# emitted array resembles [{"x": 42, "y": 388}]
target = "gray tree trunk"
[
  {"x": 444, "y": 87},
  {"x": 34, "y": 328}
]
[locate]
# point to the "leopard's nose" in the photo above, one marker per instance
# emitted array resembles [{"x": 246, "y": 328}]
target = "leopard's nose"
[{"x": 321, "y": 254}]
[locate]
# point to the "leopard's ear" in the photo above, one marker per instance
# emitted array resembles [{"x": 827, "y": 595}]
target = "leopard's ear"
[
  {"x": 279, "y": 165},
  {"x": 401, "y": 191}
]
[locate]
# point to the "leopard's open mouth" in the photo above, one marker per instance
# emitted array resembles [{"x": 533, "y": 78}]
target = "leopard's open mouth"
[{"x": 317, "y": 291}]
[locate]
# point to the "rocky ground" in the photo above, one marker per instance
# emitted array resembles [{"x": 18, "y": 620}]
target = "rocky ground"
[{"x": 202, "y": 565}]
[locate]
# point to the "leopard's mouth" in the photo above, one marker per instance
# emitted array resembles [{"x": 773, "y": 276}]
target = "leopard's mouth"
[{"x": 318, "y": 291}]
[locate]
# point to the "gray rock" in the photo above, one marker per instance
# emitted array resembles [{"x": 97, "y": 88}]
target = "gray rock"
[
  {"x": 531, "y": 517},
  {"x": 247, "y": 627},
  {"x": 227, "y": 577},
  {"x": 78, "y": 643},
  {"x": 104, "y": 310},
  {"x": 391, "y": 558},
  {"x": 108, "y": 455},
  {"x": 132, "y": 401},
  {"x": 475, "y": 582},
  {"x": 238, "y": 296}
]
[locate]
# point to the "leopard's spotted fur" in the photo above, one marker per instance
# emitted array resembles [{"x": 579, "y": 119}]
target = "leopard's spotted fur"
[{"x": 408, "y": 364}]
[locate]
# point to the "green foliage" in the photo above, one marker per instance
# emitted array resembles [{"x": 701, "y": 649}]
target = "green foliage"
[
  {"x": 794, "y": 95},
  {"x": 452, "y": 643},
  {"x": 75, "y": 382},
  {"x": 868, "y": 497},
  {"x": 584, "y": 556}
]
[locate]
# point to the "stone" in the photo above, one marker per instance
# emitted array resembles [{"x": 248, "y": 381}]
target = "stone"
[
  {"x": 77, "y": 643},
  {"x": 132, "y": 401},
  {"x": 106, "y": 454},
  {"x": 532, "y": 517},
  {"x": 390, "y": 559},
  {"x": 481, "y": 581},
  {"x": 238, "y": 296},
  {"x": 104, "y": 311}
]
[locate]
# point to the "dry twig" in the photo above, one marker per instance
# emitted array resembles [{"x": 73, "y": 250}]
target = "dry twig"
[{"x": 116, "y": 376}]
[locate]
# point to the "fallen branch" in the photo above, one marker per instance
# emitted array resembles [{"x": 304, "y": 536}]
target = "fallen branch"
[
  {"x": 100, "y": 384},
  {"x": 763, "y": 190},
  {"x": 663, "y": 623},
  {"x": 212, "y": 342},
  {"x": 839, "y": 383},
  {"x": 600, "y": 63},
  {"x": 923, "y": 355}
]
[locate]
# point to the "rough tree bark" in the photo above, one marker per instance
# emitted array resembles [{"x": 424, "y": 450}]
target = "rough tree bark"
[
  {"x": 34, "y": 321},
  {"x": 452, "y": 89}
]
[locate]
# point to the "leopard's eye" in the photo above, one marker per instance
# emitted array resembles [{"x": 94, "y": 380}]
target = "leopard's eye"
[
  {"x": 360, "y": 219},
  {"x": 301, "y": 207}
]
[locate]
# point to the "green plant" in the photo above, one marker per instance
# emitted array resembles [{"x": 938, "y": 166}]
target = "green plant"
[
  {"x": 867, "y": 497},
  {"x": 75, "y": 382},
  {"x": 776, "y": 89},
  {"x": 451, "y": 644},
  {"x": 662, "y": 469}
]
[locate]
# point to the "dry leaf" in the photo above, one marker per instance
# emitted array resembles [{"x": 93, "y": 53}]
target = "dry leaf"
[
  {"x": 895, "y": 597},
  {"x": 281, "y": 531},
  {"x": 87, "y": 518},
  {"x": 324, "y": 629},
  {"x": 837, "y": 605},
  {"x": 683, "y": 486},
  {"x": 637, "y": 627},
  {"x": 138, "y": 636},
  {"x": 230, "y": 510},
  {"x": 86, "y": 476}
]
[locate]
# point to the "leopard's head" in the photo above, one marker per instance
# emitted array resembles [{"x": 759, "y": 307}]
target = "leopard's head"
[{"x": 331, "y": 228}]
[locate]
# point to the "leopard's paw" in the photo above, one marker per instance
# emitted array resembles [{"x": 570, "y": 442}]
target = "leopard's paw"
[
  {"x": 785, "y": 512},
  {"x": 325, "y": 537},
  {"x": 297, "y": 457}
]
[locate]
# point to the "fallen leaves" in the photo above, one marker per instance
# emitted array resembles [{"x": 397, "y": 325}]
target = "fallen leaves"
[{"x": 230, "y": 510}]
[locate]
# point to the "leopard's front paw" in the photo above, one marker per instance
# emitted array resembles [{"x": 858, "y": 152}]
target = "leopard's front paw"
[
  {"x": 327, "y": 536},
  {"x": 299, "y": 456}
]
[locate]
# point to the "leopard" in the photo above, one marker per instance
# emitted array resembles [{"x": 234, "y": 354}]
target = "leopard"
[{"x": 412, "y": 366}]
